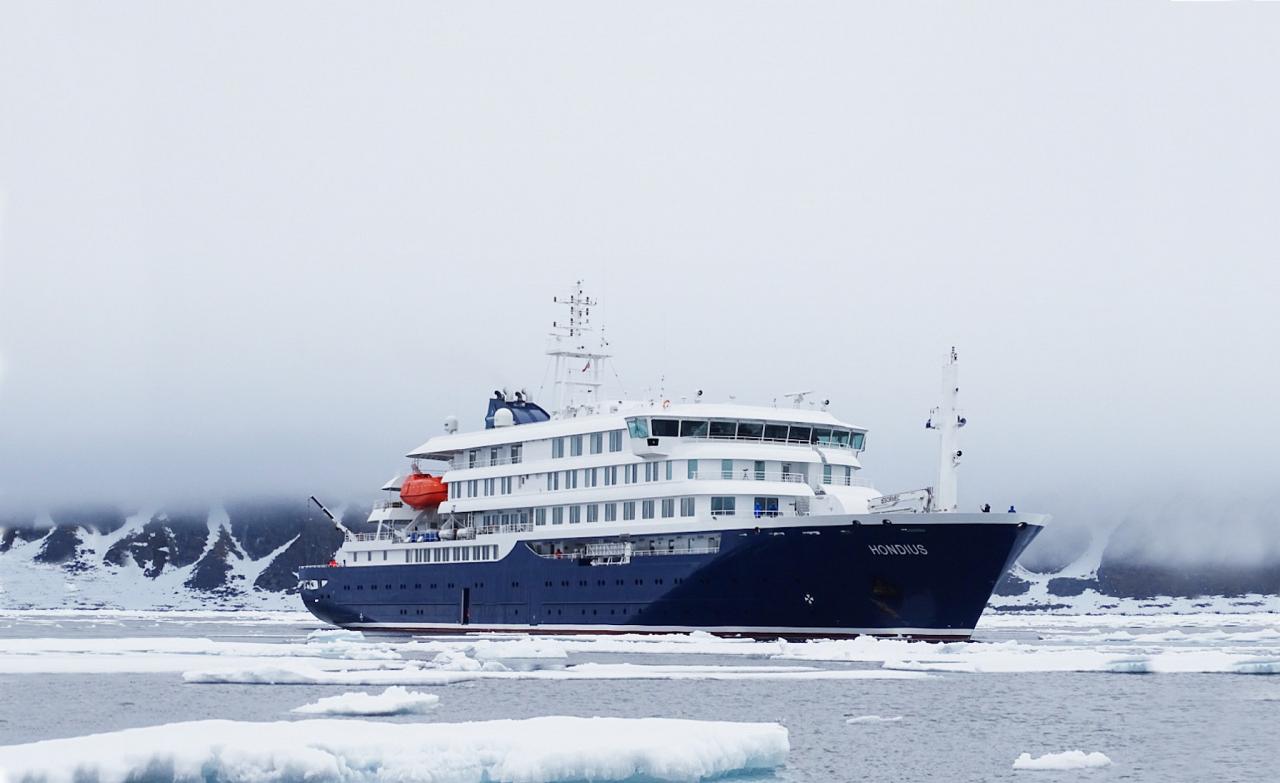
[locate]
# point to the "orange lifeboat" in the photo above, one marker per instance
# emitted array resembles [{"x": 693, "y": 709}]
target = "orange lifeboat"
[{"x": 423, "y": 490}]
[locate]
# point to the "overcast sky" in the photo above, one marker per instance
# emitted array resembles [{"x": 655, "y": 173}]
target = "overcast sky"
[{"x": 267, "y": 247}]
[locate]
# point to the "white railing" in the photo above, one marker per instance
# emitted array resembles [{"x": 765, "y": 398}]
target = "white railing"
[
  {"x": 783, "y": 441},
  {"x": 584, "y": 554},
  {"x": 486, "y": 463},
  {"x": 701, "y": 550},
  {"x": 747, "y": 474},
  {"x": 848, "y": 481},
  {"x": 510, "y": 527}
]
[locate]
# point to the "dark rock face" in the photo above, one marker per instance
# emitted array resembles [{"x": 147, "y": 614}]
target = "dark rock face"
[
  {"x": 169, "y": 540},
  {"x": 212, "y": 573},
  {"x": 15, "y": 529},
  {"x": 1012, "y": 585},
  {"x": 62, "y": 545},
  {"x": 262, "y": 528},
  {"x": 1067, "y": 586},
  {"x": 317, "y": 543},
  {"x": 1147, "y": 581}
]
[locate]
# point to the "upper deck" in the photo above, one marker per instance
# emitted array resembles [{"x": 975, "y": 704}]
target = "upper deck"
[{"x": 647, "y": 421}]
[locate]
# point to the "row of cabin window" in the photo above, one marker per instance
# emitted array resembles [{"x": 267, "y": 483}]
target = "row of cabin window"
[
  {"x": 514, "y": 453},
  {"x": 568, "y": 479},
  {"x": 649, "y": 509},
  {"x": 440, "y": 554},
  {"x": 745, "y": 430},
  {"x": 595, "y": 441},
  {"x": 592, "y": 477}
]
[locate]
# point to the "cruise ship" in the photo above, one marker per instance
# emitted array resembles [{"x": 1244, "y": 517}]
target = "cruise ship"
[{"x": 607, "y": 515}]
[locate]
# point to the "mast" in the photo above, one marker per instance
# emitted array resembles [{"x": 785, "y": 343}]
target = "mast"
[
  {"x": 577, "y": 370},
  {"x": 946, "y": 419}
]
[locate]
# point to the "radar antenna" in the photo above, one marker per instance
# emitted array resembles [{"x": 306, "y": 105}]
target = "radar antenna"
[{"x": 577, "y": 364}]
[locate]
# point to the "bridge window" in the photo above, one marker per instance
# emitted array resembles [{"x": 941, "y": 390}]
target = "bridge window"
[
  {"x": 776, "y": 432},
  {"x": 800, "y": 434},
  {"x": 693, "y": 428},
  {"x": 638, "y": 428},
  {"x": 750, "y": 430},
  {"x": 666, "y": 428},
  {"x": 859, "y": 440},
  {"x": 723, "y": 429},
  {"x": 722, "y": 507}
]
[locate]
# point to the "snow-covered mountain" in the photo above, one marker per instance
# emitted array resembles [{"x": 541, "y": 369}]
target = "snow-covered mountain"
[
  {"x": 246, "y": 555},
  {"x": 239, "y": 555}
]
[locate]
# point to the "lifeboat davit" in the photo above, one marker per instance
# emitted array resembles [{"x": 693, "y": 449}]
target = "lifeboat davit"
[{"x": 423, "y": 490}]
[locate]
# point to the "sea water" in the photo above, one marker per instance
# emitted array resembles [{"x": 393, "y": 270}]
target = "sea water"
[{"x": 959, "y": 712}]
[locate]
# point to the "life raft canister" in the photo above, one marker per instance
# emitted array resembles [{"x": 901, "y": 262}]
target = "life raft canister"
[{"x": 423, "y": 490}]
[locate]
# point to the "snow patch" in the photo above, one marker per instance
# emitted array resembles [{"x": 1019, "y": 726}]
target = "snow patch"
[
  {"x": 536, "y": 750},
  {"x": 395, "y": 700},
  {"x": 1071, "y": 759}
]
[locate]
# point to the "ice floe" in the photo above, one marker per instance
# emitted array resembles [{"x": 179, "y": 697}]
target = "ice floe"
[
  {"x": 1071, "y": 759},
  {"x": 417, "y": 673},
  {"x": 395, "y": 700},
  {"x": 537, "y": 750},
  {"x": 873, "y": 719},
  {"x": 137, "y": 655}
]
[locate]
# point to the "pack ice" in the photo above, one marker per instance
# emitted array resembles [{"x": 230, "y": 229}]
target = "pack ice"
[{"x": 536, "y": 750}]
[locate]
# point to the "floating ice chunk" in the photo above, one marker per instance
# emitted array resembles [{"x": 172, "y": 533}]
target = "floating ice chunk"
[
  {"x": 1138, "y": 665},
  {"x": 395, "y": 700},
  {"x": 455, "y": 661},
  {"x": 300, "y": 673},
  {"x": 334, "y": 635},
  {"x": 873, "y": 719},
  {"x": 536, "y": 750},
  {"x": 1261, "y": 666},
  {"x": 1071, "y": 759}
]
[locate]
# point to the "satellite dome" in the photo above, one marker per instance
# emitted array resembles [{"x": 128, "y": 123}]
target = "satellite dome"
[{"x": 503, "y": 417}]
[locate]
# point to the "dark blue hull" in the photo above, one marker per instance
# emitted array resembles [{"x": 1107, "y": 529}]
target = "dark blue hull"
[{"x": 924, "y": 580}]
